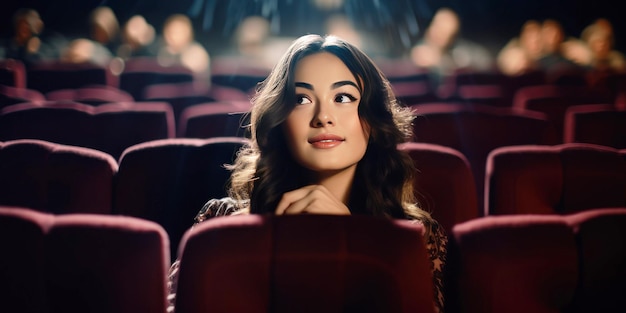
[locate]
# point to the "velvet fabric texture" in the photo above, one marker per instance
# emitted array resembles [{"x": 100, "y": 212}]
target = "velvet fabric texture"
[
  {"x": 559, "y": 179},
  {"x": 110, "y": 128},
  {"x": 56, "y": 178},
  {"x": 81, "y": 263},
  {"x": 305, "y": 263},
  {"x": 167, "y": 181}
]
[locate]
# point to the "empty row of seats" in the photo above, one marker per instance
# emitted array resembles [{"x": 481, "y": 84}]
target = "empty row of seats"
[
  {"x": 539, "y": 263},
  {"x": 516, "y": 263},
  {"x": 81, "y": 263},
  {"x": 168, "y": 181},
  {"x": 110, "y": 128},
  {"x": 114, "y": 127}
]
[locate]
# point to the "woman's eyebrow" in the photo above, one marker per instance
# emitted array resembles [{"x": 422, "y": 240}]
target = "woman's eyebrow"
[
  {"x": 333, "y": 86},
  {"x": 343, "y": 83},
  {"x": 304, "y": 85}
]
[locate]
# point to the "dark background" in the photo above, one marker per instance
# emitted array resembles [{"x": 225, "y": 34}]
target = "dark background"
[{"x": 399, "y": 22}]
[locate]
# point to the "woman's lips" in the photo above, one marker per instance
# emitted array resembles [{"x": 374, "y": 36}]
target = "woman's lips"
[{"x": 325, "y": 141}]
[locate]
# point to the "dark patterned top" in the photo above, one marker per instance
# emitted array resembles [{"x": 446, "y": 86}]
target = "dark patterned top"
[{"x": 436, "y": 246}]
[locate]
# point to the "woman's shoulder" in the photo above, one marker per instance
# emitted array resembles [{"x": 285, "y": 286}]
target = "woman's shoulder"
[{"x": 217, "y": 207}]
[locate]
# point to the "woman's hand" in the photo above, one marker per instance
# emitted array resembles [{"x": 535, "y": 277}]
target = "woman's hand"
[{"x": 313, "y": 199}]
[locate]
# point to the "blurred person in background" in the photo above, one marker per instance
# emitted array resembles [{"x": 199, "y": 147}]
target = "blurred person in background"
[
  {"x": 138, "y": 39},
  {"x": 596, "y": 53},
  {"x": 521, "y": 53},
  {"x": 29, "y": 43},
  {"x": 560, "y": 59},
  {"x": 600, "y": 39},
  {"x": 105, "y": 28},
  {"x": 178, "y": 46},
  {"x": 442, "y": 50},
  {"x": 254, "y": 44},
  {"x": 102, "y": 43}
]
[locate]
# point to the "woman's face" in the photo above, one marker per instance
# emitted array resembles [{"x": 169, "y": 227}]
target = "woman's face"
[{"x": 324, "y": 131}]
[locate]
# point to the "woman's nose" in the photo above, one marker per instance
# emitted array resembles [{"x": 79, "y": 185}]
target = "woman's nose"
[{"x": 323, "y": 117}]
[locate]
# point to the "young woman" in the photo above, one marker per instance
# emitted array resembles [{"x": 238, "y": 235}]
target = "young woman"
[{"x": 325, "y": 127}]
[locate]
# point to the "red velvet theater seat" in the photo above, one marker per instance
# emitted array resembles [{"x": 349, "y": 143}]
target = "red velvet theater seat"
[
  {"x": 184, "y": 95},
  {"x": 13, "y": 95},
  {"x": 553, "y": 100},
  {"x": 110, "y": 128},
  {"x": 106, "y": 264},
  {"x": 444, "y": 185},
  {"x": 304, "y": 263},
  {"x": 81, "y": 263},
  {"x": 475, "y": 130},
  {"x": 56, "y": 178},
  {"x": 168, "y": 181},
  {"x": 22, "y": 233},
  {"x": 600, "y": 124},
  {"x": 219, "y": 119},
  {"x": 601, "y": 236},
  {"x": 92, "y": 95},
  {"x": 558, "y": 179},
  {"x": 521, "y": 263},
  {"x": 54, "y": 75},
  {"x": 12, "y": 73},
  {"x": 141, "y": 72},
  {"x": 238, "y": 72}
]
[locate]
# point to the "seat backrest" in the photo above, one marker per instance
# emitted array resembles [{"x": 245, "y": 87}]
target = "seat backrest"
[
  {"x": 402, "y": 70},
  {"x": 54, "y": 75},
  {"x": 472, "y": 77},
  {"x": 184, "y": 95},
  {"x": 168, "y": 181},
  {"x": 141, "y": 72},
  {"x": 110, "y": 128},
  {"x": 414, "y": 92},
  {"x": 218, "y": 119},
  {"x": 56, "y": 178},
  {"x": 12, "y": 73},
  {"x": 520, "y": 263},
  {"x": 81, "y": 263},
  {"x": 598, "y": 124},
  {"x": 494, "y": 95},
  {"x": 305, "y": 263},
  {"x": 601, "y": 236},
  {"x": 475, "y": 130},
  {"x": 558, "y": 179},
  {"x": 64, "y": 123},
  {"x": 106, "y": 264},
  {"x": 14, "y": 95},
  {"x": 237, "y": 72},
  {"x": 553, "y": 100},
  {"x": 121, "y": 125},
  {"x": 22, "y": 233},
  {"x": 444, "y": 185},
  {"x": 92, "y": 95}
]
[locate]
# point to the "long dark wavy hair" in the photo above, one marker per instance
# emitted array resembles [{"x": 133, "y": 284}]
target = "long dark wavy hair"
[{"x": 265, "y": 169}]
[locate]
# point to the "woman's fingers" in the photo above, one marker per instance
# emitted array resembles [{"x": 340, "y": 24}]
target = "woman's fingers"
[{"x": 314, "y": 199}]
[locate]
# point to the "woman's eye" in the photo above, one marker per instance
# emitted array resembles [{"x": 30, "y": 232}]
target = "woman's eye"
[
  {"x": 344, "y": 98},
  {"x": 300, "y": 99}
]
